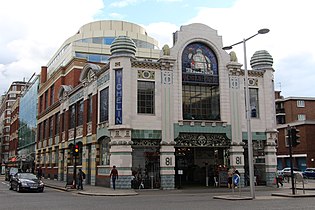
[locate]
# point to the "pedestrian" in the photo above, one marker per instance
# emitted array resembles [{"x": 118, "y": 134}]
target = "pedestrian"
[
  {"x": 230, "y": 177},
  {"x": 279, "y": 179},
  {"x": 81, "y": 176},
  {"x": 114, "y": 176},
  {"x": 39, "y": 173},
  {"x": 235, "y": 172}
]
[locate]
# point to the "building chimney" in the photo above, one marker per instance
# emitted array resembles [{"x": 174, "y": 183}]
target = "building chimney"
[{"x": 43, "y": 74}]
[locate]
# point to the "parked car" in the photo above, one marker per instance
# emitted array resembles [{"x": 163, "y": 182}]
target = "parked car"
[
  {"x": 26, "y": 182},
  {"x": 286, "y": 172},
  {"x": 309, "y": 173}
]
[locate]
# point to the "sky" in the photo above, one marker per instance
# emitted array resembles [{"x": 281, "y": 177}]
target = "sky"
[{"x": 33, "y": 30}]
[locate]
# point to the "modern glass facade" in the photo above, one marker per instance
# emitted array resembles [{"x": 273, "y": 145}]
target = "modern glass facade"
[{"x": 27, "y": 115}]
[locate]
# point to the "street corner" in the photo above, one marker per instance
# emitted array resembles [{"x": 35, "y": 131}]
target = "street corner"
[
  {"x": 232, "y": 197},
  {"x": 108, "y": 193}
]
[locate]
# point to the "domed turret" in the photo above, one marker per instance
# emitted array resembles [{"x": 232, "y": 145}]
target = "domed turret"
[
  {"x": 123, "y": 45},
  {"x": 261, "y": 59}
]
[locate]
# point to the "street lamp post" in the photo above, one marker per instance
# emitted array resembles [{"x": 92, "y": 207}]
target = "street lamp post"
[{"x": 248, "y": 115}]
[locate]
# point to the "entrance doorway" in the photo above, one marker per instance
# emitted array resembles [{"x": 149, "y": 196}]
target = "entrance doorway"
[
  {"x": 146, "y": 167},
  {"x": 197, "y": 166}
]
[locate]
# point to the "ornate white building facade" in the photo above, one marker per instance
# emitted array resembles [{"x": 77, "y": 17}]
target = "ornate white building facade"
[{"x": 175, "y": 118}]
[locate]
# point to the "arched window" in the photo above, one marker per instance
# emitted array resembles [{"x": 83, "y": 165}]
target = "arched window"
[
  {"x": 200, "y": 80},
  {"x": 104, "y": 150}
]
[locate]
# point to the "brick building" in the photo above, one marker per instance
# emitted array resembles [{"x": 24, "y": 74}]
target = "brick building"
[
  {"x": 300, "y": 113},
  {"x": 8, "y": 100}
]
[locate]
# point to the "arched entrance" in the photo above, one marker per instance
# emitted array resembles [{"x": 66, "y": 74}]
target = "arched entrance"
[{"x": 199, "y": 158}]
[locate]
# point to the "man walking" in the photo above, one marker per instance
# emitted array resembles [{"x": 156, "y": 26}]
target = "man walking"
[
  {"x": 114, "y": 176},
  {"x": 81, "y": 176}
]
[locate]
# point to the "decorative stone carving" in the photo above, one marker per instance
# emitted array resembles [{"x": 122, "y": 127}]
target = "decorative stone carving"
[
  {"x": 145, "y": 142},
  {"x": 201, "y": 140},
  {"x": 166, "y": 50},
  {"x": 233, "y": 57}
]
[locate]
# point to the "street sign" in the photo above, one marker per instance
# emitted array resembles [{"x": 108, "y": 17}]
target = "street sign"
[{"x": 236, "y": 179}]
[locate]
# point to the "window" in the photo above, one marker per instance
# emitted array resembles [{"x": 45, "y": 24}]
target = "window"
[
  {"x": 44, "y": 129},
  {"x": 300, "y": 103},
  {"x": 63, "y": 124},
  {"x": 90, "y": 109},
  {"x": 104, "y": 151},
  {"x": 46, "y": 99},
  {"x": 201, "y": 102},
  {"x": 12, "y": 96},
  {"x": 146, "y": 92},
  {"x": 51, "y": 125},
  {"x": 56, "y": 155},
  {"x": 40, "y": 104},
  {"x": 301, "y": 117},
  {"x": 72, "y": 116},
  {"x": 57, "y": 123},
  {"x": 80, "y": 113},
  {"x": 52, "y": 89},
  {"x": 50, "y": 157},
  {"x": 40, "y": 132},
  {"x": 254, "y": 103},
  {"x": 104, "y": 105}
]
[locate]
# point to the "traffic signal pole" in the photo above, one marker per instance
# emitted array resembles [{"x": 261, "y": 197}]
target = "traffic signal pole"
[
  {"x": 289, "y": 130},
  {"x": 74, "y": 150}
]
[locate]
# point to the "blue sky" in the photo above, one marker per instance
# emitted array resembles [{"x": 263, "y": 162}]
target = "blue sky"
[
  {"x": 32, "y": 32},
  {"x": 151, "y": 11}
]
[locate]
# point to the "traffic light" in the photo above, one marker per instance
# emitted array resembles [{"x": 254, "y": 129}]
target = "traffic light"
[
  {"x": 288, "y": 136},
  {"x": 76, "y": 150},
  {"x": 295, "y": 136}
]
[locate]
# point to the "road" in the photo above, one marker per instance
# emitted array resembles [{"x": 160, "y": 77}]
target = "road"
[{"x": 151, "y": 200}]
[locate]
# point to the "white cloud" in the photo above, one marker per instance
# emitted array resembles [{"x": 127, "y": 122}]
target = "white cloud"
[
  {"x": 290, "y": 36},
  {"x": 31, "y": 32},
  {"x": 161, "y": 31},
  {"x": 116, "y": 16},
  {"x": 123, "y": 3}
]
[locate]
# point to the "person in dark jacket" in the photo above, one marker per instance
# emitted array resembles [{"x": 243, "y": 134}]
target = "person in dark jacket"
[
  {"x": 81, "y": 176},
  {"x": 39, "y": 173},
  {"x": 114, "y": 176}
]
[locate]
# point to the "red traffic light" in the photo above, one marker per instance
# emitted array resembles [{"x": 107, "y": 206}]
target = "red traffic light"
[{"x": 76, "y": 150}]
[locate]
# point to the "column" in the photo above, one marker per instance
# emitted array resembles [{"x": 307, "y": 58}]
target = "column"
[
  {"x": 236, "y": 101},
  {"x": 121, "y": 157},
  {"x": 167, "y": 149},
  {"x": 167, "y": 166},
  {"x": 270, "y": 157}
]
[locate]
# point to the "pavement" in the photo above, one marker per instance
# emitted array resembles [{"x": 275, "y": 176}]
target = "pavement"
[
  {"x": 89, "y": 189},
  {"x": 285, "y": 191}
]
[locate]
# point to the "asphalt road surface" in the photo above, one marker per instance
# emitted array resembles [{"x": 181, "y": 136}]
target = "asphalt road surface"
[{"x": 151, "y": 200}]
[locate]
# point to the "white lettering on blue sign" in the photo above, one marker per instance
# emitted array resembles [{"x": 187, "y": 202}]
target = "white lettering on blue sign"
[{"x": 118, "y": 97}]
